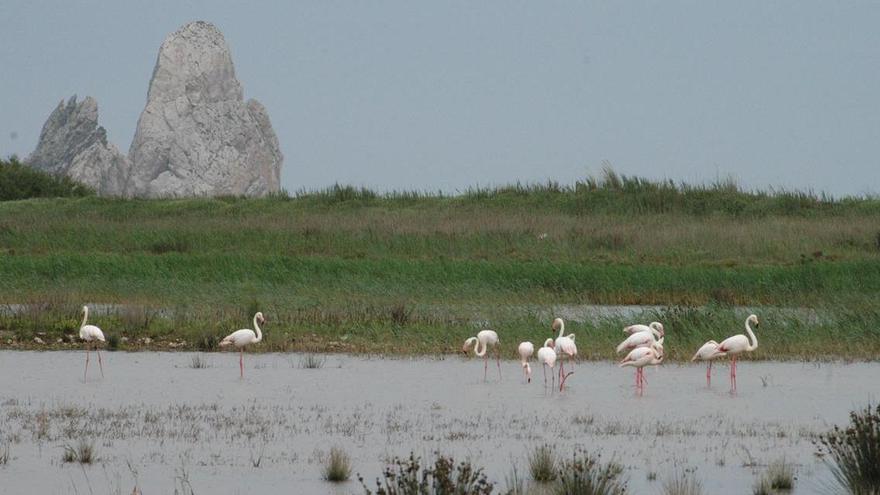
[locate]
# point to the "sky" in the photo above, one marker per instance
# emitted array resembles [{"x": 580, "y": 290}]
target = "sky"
[{"x": 448, "y": 95}]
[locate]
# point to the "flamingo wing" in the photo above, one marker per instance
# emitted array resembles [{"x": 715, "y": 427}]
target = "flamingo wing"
[
  {"x": 547, "y": 356},
  {"x": 525, "y": 350},
  {"x": 636, "y": 328},
  {"x": 733, "y": 345},
  {"x": 636, "y": 340},
  {"x": 90, "y": 333},
  {"x": 707, "y": 351},
  {"x": 239, "y": 338}
]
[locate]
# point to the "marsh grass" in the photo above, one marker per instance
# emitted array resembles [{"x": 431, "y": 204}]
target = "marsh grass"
[
  {"x": 337, "y": 467},
  {"x": 514, "y": 484},
  {"x": 855, "y": 452},
  {"x": 312, "y": 362},
  {"x": 4, "y": 455},
  {"x": 84, "y": 453},
  {"x": 585, "y": 474},
  {"x": 198, "y": 361},
  {"x": 761, "y": 486},
  {"x": 682, "y": 483},
  {"x": 410, "y": 477},
  {"x": 780, "y": 474},
  {"x": 543, "y": 464}
]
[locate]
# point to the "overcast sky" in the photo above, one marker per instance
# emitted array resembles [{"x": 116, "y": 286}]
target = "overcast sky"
[{"x": 446, "y": 95}]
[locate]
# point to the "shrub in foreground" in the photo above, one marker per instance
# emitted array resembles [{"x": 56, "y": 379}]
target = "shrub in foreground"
[
  {"x": 854, "y": 452},
  {"x": 409, "y": 477}
]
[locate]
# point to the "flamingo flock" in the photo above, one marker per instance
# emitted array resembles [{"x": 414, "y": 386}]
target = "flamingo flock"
[{"x": 644, "y": 346}]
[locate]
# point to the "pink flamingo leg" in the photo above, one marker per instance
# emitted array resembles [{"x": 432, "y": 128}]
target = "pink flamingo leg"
[
  {"x": 498, "y": 360},
  {"x": 485, "y": 366},
  {"x": 100, "y": 364},
  {"x": 86, "y": 372},
  {"x": 709, "y": 374},
  {"x": 241, "y": 362}
]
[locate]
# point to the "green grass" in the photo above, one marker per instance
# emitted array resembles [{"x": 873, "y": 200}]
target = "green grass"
[
  {"x": 354, "y": 270},
  {"x": 19, "y": 181}
]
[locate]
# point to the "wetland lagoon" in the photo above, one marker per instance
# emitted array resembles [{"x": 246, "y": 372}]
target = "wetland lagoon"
[{"x": 185, "y": 422}]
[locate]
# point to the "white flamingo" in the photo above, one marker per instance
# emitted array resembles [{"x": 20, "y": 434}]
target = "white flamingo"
[
  {"x": 708, "y": 353},
  {"x": 641, "y": 357},
  {"x": 525, "y": 350},
  {"x": 564, "y": 345},
  {"x": 643, "y": 338},
  {"x": 655, "y": 325},
  {"x": 547, "y": 357},
  {"x": 736, "y": 345},
  {"x": 90, "y": 334},
  {"x": 483, "y": 340},
  {"x": 244, "y": 337}
]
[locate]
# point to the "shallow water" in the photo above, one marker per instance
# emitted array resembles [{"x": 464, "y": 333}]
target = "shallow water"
[{"x": 160, "y": 424}]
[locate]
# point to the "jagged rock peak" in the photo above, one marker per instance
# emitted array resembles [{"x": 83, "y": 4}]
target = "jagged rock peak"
[
  {"x": 196, "y": 135},
  {"x": 72, "y": 143}
]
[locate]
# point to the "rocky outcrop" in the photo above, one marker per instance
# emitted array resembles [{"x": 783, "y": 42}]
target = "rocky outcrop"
[
  {"x": 197, "y": 135},
  {"x": 71, "y": 143}
]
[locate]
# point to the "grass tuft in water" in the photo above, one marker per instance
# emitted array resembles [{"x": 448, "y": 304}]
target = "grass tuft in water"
[
  {"x": 682, "y": 483},
  {"x": 198, "y": 362},
  {"x": 312, "y": 362},
  {"x": 585, "y": 474},
  {"x": 409, "y": 477},
  {"x": 338, "y": 466},
  {"x": 4, "y": 455},
  {"x": 83, "y": 453},
  {"x": 514, "y": 484},
  {"x": 780, "y": 474},
  {"x": 542, "y": 464},
  {"x": 855, "y": 452}
]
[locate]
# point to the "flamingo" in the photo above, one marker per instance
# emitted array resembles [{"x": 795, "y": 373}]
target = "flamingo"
[
  {"x": 91, "y": 334},
  {"x": 564, "y": 345},
  {"x": 244, "y": 337},
  {"x": 733, "y": 346},
  {"x": 707, "y": 353},
  {"x": 547, "y": 357},
  {"x": 483, "y": 340},
  {"x": 654, "y": 325},
  {"x": 525, "y": 350},
  {"x": 641, "y": 357},
  {"x": 643, "y": 338}
]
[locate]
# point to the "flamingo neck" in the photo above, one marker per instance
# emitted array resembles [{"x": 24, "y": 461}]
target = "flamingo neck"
[
  {"x": 85, "y": 316},
  {"x": 752, "y": 338},
  {"x": 257, "y": 328},
  {"x": 477, "y": 348},
  {"x": 561, "y": 328}
]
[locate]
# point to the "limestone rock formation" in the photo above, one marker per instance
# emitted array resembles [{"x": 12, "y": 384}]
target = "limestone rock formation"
[
  {"x": 71, "y": 143},
  {"x": 197, "y": 135}
]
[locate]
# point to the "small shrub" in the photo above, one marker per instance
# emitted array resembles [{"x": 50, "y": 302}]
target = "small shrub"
[
  {"x": 542, "y": 464},
  {"x": 682, "y": 483},
  {"x": 83, "y": 453},
  {"x": 855, "y": 452},
  {"x": 586, "y": 475},
  {"x": 198, "y": 362},
  {"x": 338, "y": 467},
  {"x": 19, "y": 181},
  {"x": 408, "y": 477},
  {"x": 312, "y": 362}
]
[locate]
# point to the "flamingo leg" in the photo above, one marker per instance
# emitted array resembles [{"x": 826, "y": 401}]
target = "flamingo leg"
[
  {"x": 544, "y": 367},
  {"x": 486, "y": 367},
  {"x": 498, "y": 361},
  {"x": 86, "y": 372},
  {"x": 644, "y": 380},
  {"x": 100, "y": 364},
  {"x": 241, "y": 362},
  {"x": 709, "y": 374}
]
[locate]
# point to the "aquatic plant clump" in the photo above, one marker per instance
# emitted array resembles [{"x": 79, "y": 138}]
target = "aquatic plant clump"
[
  {"x": 682, "y": 483},
  {"x": 585, "y": 474},
  {"x": 409, "y": 477},
  {"x": 338, "y": 466},
  {"x": 854, "y": 452},
  {"x": 542, "y": 464}
]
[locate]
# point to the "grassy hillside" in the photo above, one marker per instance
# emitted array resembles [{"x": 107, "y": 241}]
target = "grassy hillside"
[{"x": 349, "y": 269}]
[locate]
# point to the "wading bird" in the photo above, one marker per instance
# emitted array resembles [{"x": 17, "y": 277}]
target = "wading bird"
[
  {"x": 654, "y": 325},
  {"x": 483, "y": 340},
  {"x": 244, "y": 337},
  {"x": 547, "y": 357},
  {"x": 708, "y": 353},
  {"x": 564, "y": 345},
  {"x": 641, "y": 357},
  {"x": 736, "y": 345},
  {"x": 525, "y": 350},
  {"x": 90, "y": 334},
  {"x": 641, "y": 338}
]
